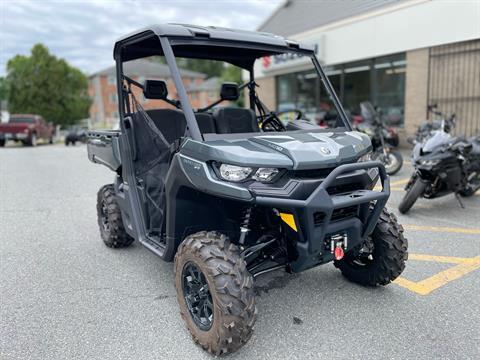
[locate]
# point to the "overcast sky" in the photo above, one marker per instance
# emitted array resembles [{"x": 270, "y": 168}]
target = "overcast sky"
[{"x": 83, "y": 31}]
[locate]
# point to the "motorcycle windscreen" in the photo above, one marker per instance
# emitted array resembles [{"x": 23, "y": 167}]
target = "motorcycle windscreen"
[
  {"x": 438, "y": 139},
  {"x": 368, "y": 112},
  {"x": 153, "y": 149}
]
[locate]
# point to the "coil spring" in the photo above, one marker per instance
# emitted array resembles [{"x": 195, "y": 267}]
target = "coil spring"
[{"x": 245, "y": 223}]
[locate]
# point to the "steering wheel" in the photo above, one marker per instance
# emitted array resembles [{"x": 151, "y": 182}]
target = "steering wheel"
[{"x": 271, "y": 122}]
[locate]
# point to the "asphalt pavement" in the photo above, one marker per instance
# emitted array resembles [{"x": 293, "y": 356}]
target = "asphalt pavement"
[{"x": 64, "y": 295}]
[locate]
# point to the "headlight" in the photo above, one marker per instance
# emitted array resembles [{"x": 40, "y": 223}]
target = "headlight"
[
  {"x": 430, "y": 162},
  {"x": 265, "y": 174},
  {"x": 234, "y": 173}
]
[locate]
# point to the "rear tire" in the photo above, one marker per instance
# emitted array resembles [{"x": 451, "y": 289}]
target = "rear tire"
[
  {"x": 390, "y": 251},
  {"x": 2, "y": 143},
  {"x": 33, "y": 140},
  {"x": 413, "y": 193},
  {"x": 467, "y": 192},
  {"x": 470, "y": 189},
  {"x": 110, "y": 219},
  {"x": 230, "y": 291}
]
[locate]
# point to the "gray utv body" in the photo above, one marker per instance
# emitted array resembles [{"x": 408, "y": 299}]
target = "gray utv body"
[{"x": 321, "y": 185}]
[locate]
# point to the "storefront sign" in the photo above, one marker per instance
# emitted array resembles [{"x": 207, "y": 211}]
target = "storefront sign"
[
  {"x": 286, "y": 62},
  {"x": 282, "y": 60}
]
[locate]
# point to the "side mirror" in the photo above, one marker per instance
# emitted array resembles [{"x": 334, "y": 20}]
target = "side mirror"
[
  {"x": 229, "y": 91},
  {"x": 155, "y": 89}
]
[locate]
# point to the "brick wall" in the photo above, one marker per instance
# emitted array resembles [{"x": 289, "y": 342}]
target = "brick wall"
[
  {"x": 266, "y": 92},
  {"x": 104, "y": 107},
  {"x": 416, "y": 89}
]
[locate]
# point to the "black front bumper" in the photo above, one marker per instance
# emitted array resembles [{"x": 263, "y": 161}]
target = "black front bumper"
[{"x": 320, "y": 216}]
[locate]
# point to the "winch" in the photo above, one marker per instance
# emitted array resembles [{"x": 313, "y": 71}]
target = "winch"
[{"x": 338, "y": 244}]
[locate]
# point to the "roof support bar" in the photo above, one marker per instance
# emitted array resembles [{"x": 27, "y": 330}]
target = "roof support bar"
[{"x": 192, "y": 125}]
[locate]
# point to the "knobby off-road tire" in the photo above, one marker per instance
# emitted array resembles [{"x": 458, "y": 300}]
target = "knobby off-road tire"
[
  {"x": 110, "y": 219},
  {"x": 388, "y": 257},
  {"x": 413, "y": 193},
  {"x": 231, "y": 289}
]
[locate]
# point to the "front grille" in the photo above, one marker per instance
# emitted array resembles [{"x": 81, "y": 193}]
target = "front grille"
[
  {"x": 311, "y": 174},
  {"x": 338, "y": 214},
  {"x": 345, "y": 188},
  {"x": 344, "y": 213}
]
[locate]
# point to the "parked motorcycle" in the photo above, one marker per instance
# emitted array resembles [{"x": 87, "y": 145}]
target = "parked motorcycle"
[
  {"x": 384, "y": 139},
  {"x": 443, "y": 165},
  {"x": 427, "y": 128}
]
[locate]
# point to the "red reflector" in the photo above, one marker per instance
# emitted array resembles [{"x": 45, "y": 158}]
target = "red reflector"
[{"x": 338, "y": 253}]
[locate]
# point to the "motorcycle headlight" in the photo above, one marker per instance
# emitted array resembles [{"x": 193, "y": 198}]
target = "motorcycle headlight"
[
  {"x": 430, "y": 162},
  {"x": 234, "y": 173},
  {"x": 265, "y": 174}
]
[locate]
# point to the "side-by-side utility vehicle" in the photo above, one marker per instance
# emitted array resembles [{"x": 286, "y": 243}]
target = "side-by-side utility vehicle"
[{"x": 229, "y": 191}]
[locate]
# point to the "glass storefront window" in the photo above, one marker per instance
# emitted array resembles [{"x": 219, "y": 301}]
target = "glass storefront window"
[
  {"x": 390, "y": 91},
  {"x": 304, "y": 91},
  {"x": 356, "y": 84},
  {"x": 380, "y": 81}
]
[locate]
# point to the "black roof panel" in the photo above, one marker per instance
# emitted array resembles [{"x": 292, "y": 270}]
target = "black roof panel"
[{"x": 145, "y": 42}]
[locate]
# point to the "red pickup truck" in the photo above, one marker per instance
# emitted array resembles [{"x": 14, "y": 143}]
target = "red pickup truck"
[{"x": 26, "y": 128}]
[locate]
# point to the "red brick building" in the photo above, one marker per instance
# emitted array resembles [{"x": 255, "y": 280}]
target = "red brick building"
[{"x": 103, "y": 90}]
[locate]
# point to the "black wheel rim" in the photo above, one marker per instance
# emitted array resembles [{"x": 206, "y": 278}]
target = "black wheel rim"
[
  {"x": 105, "y": 223},
  {"x": 197, "y": 296}
]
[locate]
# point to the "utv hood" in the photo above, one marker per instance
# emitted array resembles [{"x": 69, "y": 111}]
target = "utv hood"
[{"x": 290, "y": 150}]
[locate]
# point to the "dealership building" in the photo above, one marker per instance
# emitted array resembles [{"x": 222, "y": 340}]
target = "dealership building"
[{"x": 401, "y": 55}]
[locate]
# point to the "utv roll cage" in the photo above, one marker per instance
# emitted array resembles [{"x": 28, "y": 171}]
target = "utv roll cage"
[
  {"x": 233, "y": 193},
  {"x": 239, "y": 48}
]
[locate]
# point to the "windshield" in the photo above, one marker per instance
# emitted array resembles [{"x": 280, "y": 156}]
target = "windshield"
[
  {"x": 438, "y": 139},
  {"x": 293, "y": 97},
  {"x": 18, "y": 119},
  {"x": 298, "y": 95},
  {"x": 233, "y": 90}
]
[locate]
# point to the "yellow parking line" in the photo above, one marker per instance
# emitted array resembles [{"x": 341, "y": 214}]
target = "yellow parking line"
[
  {"x": 436, "y": 281},
  {"x": 442, "y": 229},
  {"x": 435, "y": 258},
  {"x": 400, "y": 182},
  {"x": 379, "y": 188}
]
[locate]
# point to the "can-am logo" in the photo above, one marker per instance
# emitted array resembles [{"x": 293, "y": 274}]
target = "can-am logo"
[
  {"x": 276, "y": 60},
  {"x": 325, "y": 150}
]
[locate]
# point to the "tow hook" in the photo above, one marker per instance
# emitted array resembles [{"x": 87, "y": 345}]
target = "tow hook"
[{"x": 338, "y": 245}]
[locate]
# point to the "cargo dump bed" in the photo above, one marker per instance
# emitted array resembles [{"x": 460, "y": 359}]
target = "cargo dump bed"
[{"x": 103, "y": 148}]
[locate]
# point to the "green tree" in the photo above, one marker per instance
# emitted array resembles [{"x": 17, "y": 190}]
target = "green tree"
[
  {"x": 43, "y": 84},
  {"x": 3, "y": 89},
  {"x": 3, "y": 92},
  {"x": 232, "y": 73}
]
